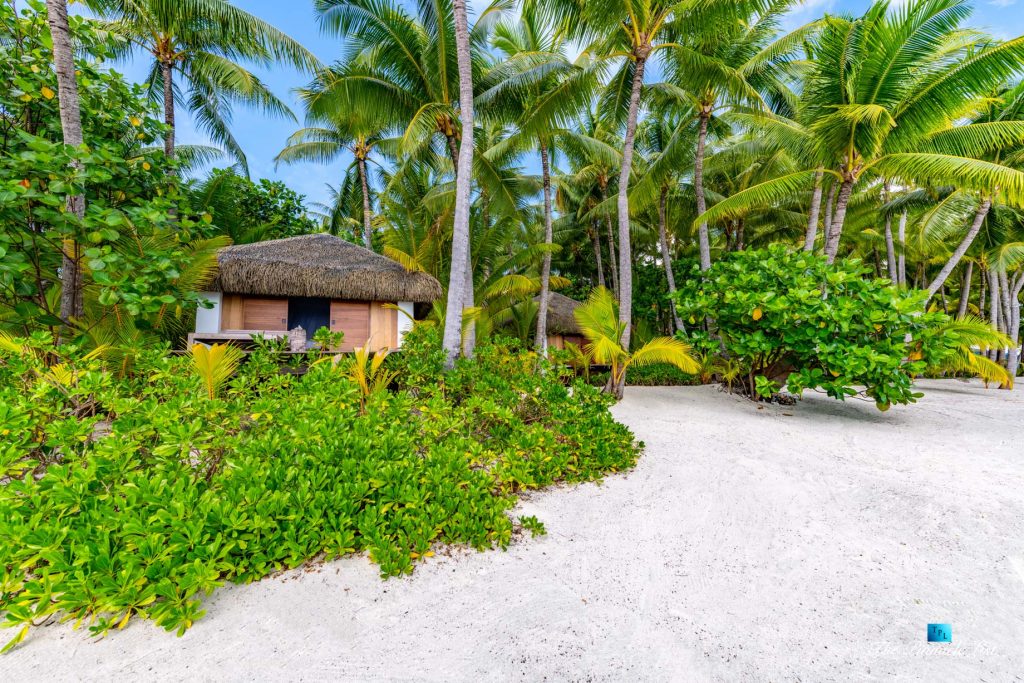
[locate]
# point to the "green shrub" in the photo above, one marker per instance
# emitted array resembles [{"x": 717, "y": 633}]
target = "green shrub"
[
  {"x": 790, "y": 318},
  {"x": 660, "y": 375},
  {"x": 133, "y": 497}
]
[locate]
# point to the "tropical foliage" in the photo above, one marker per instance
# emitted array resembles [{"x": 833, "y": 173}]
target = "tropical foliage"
[
  {"x": 599, "y": 322},
  {"x": 162, "y": 486},
  {"x": 839, "y": 208},
  {"x": 679, "y": 133},
  {"x": 138, "y": 264},
  {"x": 792, "y": 320},
  {"x": 202, "y": 46}
]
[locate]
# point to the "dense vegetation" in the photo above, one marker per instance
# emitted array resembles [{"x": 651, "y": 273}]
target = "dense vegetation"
[
  {"x": 135, "y": 496},
  {"x": 835, "y": 208},
  {"x": 894, "y": 137}
]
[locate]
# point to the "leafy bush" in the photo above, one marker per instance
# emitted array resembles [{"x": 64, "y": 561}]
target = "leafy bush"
[
  {"x": 133, "y": 497},
  {"x": 659, "y": 375},
  {"x": 656, "y": 375},
  {"x": 252, "y": 211},
  {"x": 130, "y": 203},
  {"x": 790, "y": 318}
]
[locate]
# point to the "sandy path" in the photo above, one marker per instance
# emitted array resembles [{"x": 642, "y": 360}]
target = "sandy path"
[{"x": 809, "y": 543}]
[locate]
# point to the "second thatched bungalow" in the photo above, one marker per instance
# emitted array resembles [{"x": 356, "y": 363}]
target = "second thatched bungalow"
[
  {"x": 562, "y": 325},
  {"x": 309, "y": 282}
]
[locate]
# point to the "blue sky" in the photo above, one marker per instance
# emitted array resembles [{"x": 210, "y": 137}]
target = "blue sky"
[{"x": 262, "y": 137}]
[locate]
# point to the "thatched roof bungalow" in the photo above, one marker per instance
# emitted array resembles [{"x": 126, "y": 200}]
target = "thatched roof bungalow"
[
  {"x": 562, "y": 325},
  {"x": 309, "y": 282}
]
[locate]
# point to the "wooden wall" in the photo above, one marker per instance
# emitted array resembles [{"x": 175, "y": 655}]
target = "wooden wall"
[
  {"x": 352, "y": 318},
  {"x": 264, "y": 314},
  {"x": 558, "y": 341},
  {"x": 383, "y": 327},
  {"x": 362, "y": 322},
  {"x": 231, "y": 313}
]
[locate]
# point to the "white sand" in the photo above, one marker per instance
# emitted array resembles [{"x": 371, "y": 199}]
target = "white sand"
[{"x": 748, "y": 544}]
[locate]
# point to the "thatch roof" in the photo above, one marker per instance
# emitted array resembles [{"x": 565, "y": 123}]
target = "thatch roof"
[
  {"x": 560, "y": 314},
  {"x": 319, "y": 266}
]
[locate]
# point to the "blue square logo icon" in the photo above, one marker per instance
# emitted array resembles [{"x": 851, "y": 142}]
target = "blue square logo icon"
[{"x": 940, "y": 633}]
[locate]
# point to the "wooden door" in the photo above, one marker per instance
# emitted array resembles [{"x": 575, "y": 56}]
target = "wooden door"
[
  {"x": 265, "y": 314},
  {"x": 352, "y": 318},
  {"x": 383, "y": 327}
]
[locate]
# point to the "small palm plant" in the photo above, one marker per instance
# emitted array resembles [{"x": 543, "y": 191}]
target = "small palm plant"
[
  {"x": 369, "y": 374},
  {"x": 598, "y": 319},
  {"x": 963, "y": 338},
  {"x": 215, "y": 364}
]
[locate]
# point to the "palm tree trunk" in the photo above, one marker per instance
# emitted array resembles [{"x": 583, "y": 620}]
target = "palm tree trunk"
[
  {"x": 367, "y": 214},
  {"x": 965, "y": 291},
  {"x": 835, "y": 230},
  {"x": 625, "y": 248},
  {"x": 901, "y": 263},
  {"x": 1004, "y": 299},
  {"x": 611, "y": 243},
  {"x": 993, "y": 304},
  {"x": 167, "y": 69},
  {"x": 71, "y": 303},
  {"x": 457, "y": 294},
  {"x": 812, "y": 219},
  {"x": 595, "y": 239},
  {"x": 698, "y": 186},
  {"x": 469, "y": 301},
  {"x": 983, "y": 283},
  {"x": 890, "y": 252},
  {"x": 541, "y": 342},
  {"x": 965, "y": 244},
  {"x": 1013, "y": 356},
  {"x": 829, "y": 204},
  {"x": 890, "y": 249},
  {"x": 666, "y": 257}
]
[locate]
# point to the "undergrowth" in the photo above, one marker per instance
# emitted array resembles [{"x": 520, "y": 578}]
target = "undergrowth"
[{"x": 135, "y": 497}]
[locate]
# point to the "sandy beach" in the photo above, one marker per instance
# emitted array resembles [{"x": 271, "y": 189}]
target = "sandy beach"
[{"x": 812, "y": 542}]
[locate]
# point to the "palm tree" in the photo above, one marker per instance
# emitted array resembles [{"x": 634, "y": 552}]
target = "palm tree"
[
  {"x": 961, "y": 338},
  {"x": 630, "y": 30},
  {"x": 460, "y": 283},
  {"x": 327, "y": 138},
  {"x": 417, "y": 204},
  {"x": 1006, "y": 112},
  {"x": 404, "y": 67},
  {"x": 401, "y": 68},
  {"x": 665, "y": 155},
  {"x": 880, "y": 96},
  {"x": 739, "y": 163},
  {"x": 741, "y": 61},
  {"x": 542, "y": 90},
  {"x": 594, "y": 171},
  {"x": 71, "y": 303},
  {"x": 205, "y": 41},
  {"x": 601, "y": 325}
]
